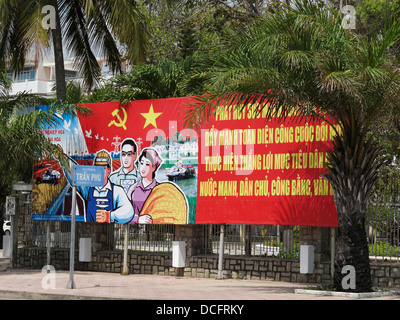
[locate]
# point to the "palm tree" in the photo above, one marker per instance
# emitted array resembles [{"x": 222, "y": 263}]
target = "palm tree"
[
  {"x": 21, "y": 138},
  {"x": 300, "y": 59},
  {"x": 114, "y": 29},
  {"x": 21, "y": 125},
  {"x": 166, "y": 79}
]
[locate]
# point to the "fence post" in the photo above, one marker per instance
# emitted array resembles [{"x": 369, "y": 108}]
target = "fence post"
[
  {"x": 125, "y": 270},
  {"x": 247, "y": 240},
  {"x": 48, "y": 239},
  {"x": 319, "y": 237},
  {"x": 221, "y": 252},
  {"x": 14, "y": 236}
]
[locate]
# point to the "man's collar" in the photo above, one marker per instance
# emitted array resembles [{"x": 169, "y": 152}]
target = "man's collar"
[
  {"x": 106, "y": 187},
  {"x": 122, "y": 172}
]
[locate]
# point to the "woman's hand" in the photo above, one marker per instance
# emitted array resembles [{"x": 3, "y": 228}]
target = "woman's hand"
[{"x": 145, "y": 219}]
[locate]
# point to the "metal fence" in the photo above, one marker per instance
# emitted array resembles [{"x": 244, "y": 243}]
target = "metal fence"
[
  {"x": 246, "y": 240},
  {"x": 382, "y": 226},
  {"x": 150, "y": 238},
  {"x": 383, "y": 229},
  {"x": 249, "y": 240},
  {"x": 254, "y": 240},
  {"x": 58, "y": 232}
]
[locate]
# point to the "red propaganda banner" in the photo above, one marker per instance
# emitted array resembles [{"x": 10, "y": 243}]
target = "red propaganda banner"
[
  {"x": 255, "y": 171},
  {"x": 149, "y": 159},
  {"x": 236, "y": 169}
]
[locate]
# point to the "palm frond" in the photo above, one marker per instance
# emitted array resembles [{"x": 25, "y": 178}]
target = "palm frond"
[
  {"x": 129, "y": 25},
  {"x": 12, "y": 45},
  {"x": 78, "y": 41}
]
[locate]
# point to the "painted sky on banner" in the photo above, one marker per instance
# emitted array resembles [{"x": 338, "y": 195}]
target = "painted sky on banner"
[{"x": 235, "y": 169}]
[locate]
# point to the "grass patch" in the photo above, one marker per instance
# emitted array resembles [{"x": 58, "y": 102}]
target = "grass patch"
[{"x": 384, "y": 249}]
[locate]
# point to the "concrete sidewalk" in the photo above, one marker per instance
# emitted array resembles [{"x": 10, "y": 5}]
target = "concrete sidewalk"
[{"x": 37, "y": 285}]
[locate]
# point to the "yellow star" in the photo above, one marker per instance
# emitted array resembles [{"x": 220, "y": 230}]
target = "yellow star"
[{"x": 151, "y": 117}]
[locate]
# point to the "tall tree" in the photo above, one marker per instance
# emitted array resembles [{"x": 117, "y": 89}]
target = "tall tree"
[
  {"x": 21, "y": 125},
  {"x": 166, "y": 79},
  {"x": 303, "y": 61},
  {"x": 21, "y": 138},
  {"x": 115, "y": 29},
  {"x": 181, "y": 27}
]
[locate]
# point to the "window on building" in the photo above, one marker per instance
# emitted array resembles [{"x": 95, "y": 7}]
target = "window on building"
[
  {"x": 28, "y": 74},
  {"x": 70, "y": 74}
]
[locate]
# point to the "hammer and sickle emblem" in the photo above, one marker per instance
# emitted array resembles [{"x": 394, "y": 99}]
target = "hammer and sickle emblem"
[{"x": 121, "y": 122}]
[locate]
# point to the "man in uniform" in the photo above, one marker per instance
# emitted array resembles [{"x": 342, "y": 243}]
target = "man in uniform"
[
  {"x": 108, "y": 203},
  {"x": 127, "y": 174}
]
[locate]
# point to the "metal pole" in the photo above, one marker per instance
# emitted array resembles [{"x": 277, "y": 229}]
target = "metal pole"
[
  {"x": 71, "y": 283},
  {"x": 48, "y": 243},
  {"x": 332, "y": 253},
  {"x": 125, "y": 270},
  {"x": 221, "y": 252}
]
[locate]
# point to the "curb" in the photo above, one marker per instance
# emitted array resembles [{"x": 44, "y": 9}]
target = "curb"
[
  {"x": 354, "y": 295},
  {"x": 26, "y": 295}
]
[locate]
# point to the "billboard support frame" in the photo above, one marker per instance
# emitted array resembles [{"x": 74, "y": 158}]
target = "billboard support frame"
[
  {"x": 71, "y": 283},
  {"x": 221, "y": 252},
  {"x": 125, "y": 270}
]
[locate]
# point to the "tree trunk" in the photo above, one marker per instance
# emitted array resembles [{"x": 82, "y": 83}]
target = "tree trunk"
[
  {"x": 353, "y": 167},
  {"x": 351, "y": 247},
  {"x": 61, "y": 88}
]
